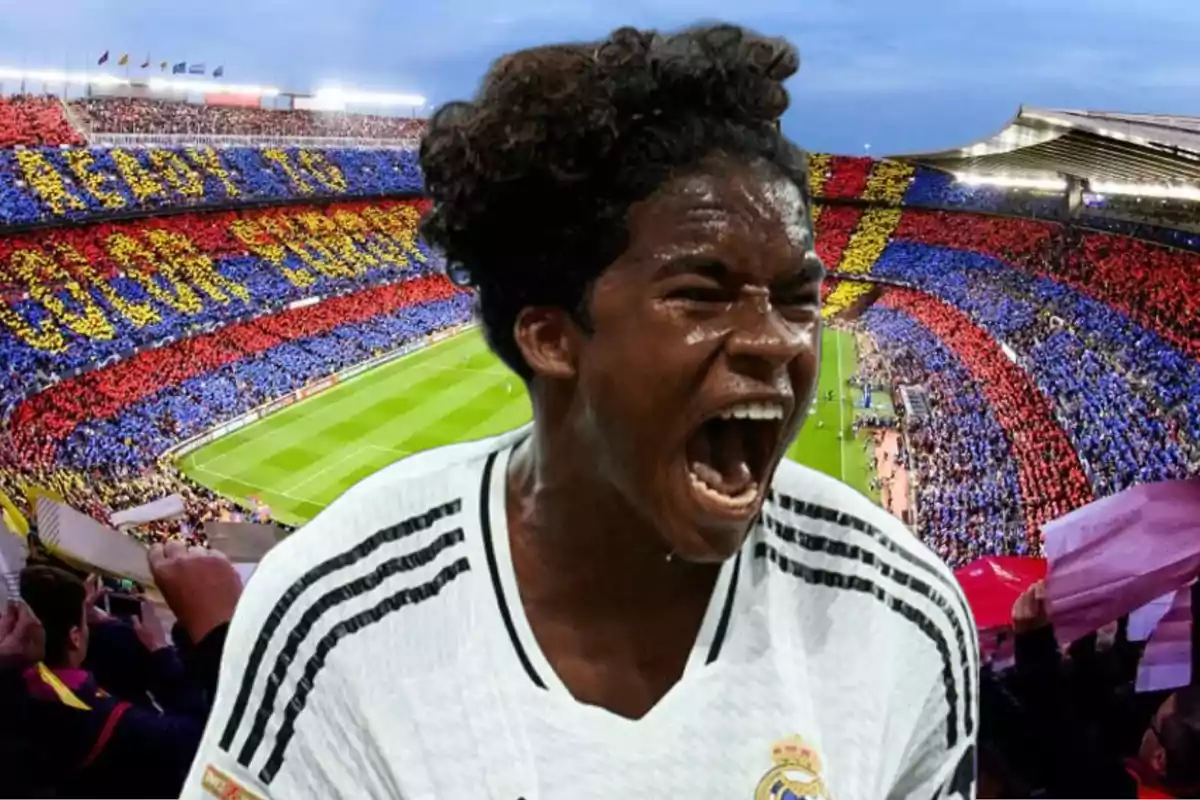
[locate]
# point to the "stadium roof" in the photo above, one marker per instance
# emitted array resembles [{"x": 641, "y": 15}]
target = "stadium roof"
[{"x": 1047, "y": 144}]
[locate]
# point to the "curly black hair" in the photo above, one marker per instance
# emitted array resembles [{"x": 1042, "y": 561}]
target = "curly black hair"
[{"x": 531, "y": 182}]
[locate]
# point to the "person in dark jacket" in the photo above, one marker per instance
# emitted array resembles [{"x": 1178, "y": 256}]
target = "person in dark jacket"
[
  {"x": 72, "y": 738},
  {"x": 1092, "y": 720}
]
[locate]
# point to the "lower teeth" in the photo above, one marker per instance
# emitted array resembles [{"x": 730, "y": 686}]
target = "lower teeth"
[{"x": 742, "y": 498}]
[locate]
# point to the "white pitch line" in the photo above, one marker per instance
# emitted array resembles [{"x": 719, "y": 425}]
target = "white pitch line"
[
  {"x": 382, "y": 449},
  {"x": 353, "y": 453},
  {"x": 266, "y": 489}
]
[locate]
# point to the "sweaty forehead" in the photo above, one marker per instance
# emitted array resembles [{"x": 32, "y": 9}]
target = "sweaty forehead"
[{"x": 729, "y": 203}]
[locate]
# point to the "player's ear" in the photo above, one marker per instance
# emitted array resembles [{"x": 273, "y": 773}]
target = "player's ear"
[{"x": 548, "y": 339}]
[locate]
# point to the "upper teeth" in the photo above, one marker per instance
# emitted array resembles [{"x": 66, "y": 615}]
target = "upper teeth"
[{"x": 754, "y": 411}]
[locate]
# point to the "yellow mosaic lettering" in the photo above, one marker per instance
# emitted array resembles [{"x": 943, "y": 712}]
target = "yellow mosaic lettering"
[
  {"x": 384, "y": 251},
  {"x": 260, "y": 243},
  {"x": 46, "y": 181},
  {"x": 140, "y": 314},
  {"x": 208, "y": 162},
  {"x": 45, "y": 336},
  {"x": 399, "y": 225},
  {"x": 140, "y": 264},
  {"x": 45, "y": 279},
  {"x": 143, "y": 184},
  {"x": 324, "y": 262},
  {"x": 325, "y": 171},
  {"x": 97, "y": 183},
  {"x": 183, "y": 178},
  {"x": 180, "y": 252},
  {"x": 280, "y": 158},
  {"x": 324, "y": 230}
]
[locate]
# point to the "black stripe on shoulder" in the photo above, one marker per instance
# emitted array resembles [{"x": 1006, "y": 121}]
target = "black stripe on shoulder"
[
  {"x": 328, "y": 601},
  {"x": 489, "y": 549},
  {"x": 405, "y": 597},
  {"x": 718, "y": 641},
  {"x": 857, "y": 583},
  {"x": 825, "y": 514},
  {"x": 364, "y": 548},
  {"x": 842, "y": 549}
]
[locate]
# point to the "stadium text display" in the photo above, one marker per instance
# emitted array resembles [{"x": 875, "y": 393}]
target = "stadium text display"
[
  {"x": 88, "y": 293},
  {"x": 74, "y": 183}
]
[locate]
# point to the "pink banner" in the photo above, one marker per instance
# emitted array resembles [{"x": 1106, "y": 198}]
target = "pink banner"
[
  {"x": 1121, "y": 552},
  {"x": 1167, "y": 660}
]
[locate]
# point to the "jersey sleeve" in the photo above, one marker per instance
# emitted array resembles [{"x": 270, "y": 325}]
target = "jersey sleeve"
[
  {"x": 286, "y": 720},
  {"x": 933, "y": 768},
  {"x": 237, "y": 757}
]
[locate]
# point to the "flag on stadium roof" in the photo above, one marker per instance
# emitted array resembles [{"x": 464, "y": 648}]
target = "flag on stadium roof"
[
  {"x": 197, "y": 69},
  {"x": 104, "y": 58},
  {"x": 163, "y": 66},
  {"x": 219, "y": 72},
  {"x": 146, "y": 63},
  {"x": 179, "y": 68},
  {"x": 124, "y": 60}
]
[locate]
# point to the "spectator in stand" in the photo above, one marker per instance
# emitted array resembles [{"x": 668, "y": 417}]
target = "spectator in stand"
[
  {"x": 364, "y": 244},
  {"x": 937, "y": 189},
  {"x": 132, "y": 115},
  {"x": 93, "y": 184},
  {"x": 29, "y": 121},
  {"x": 75, "y": 740},
  {"x": 108, "y": 426},
  {"x": 1114, "y": 422},
  {"x": 1098, "y": 738},
  {"x": 24, "y": 764},
  {"x": 968, "y": 492}
]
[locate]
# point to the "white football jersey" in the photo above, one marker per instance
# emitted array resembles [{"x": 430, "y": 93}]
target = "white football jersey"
[{"x": 383, "y": 652}]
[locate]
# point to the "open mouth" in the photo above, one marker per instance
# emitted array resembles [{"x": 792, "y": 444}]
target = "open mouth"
[{"x": 729, "y": 453}]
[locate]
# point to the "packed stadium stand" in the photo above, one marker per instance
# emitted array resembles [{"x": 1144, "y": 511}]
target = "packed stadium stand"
[
  {"x": 151, "y": 293},
  {"x": 130, "y": 115},
  {"x": 1105, "y": 326},
  {"x": 129, "y": 327}
]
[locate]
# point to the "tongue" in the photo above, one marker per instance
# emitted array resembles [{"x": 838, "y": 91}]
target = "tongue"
[
  {"x": 725, "y": 469},
  {"x": 715, "y": 480}
]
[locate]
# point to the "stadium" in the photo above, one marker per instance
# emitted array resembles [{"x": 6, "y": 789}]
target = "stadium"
[{"x": 238, "y": 325}]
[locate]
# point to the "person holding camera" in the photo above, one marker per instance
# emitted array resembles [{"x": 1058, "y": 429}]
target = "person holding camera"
[{"x": 74, "y": 738}]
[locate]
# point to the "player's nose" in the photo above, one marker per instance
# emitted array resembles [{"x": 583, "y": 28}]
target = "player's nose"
[{"x": 761, "y": 333}]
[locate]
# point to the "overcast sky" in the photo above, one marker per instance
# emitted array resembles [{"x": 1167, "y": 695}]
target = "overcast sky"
[{"x": 900, "y": 75}]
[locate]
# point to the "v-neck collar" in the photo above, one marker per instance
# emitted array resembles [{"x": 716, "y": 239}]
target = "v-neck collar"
[{"x": 493, "y": 512}]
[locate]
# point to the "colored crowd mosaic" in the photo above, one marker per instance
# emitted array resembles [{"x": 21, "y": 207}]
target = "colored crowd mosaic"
[
  {"x": 168, "y": 325},
  {"x": 97, "y": 439},
  {"x": 1083, "y": 346},
  {"x": 40, "y": 185},
  {"x": 895, "y": 183},
  {"x": 74, "y": 297}
]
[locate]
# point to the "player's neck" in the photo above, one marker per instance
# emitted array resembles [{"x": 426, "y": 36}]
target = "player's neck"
[{"x": 574, "y": 543}]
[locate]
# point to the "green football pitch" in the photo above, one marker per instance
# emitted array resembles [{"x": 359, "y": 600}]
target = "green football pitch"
[{"x": 300, "y": 459}]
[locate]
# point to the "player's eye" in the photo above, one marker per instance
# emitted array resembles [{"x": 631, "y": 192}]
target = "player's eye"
[
  {"x": 806, "y": 297},
  {"x": 699, "y": 294}
]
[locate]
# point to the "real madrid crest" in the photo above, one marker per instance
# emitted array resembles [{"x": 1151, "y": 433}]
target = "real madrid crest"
[{"x": 796, "y": 774}]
